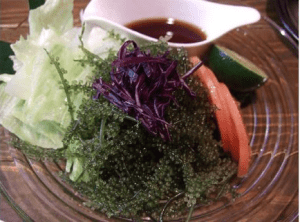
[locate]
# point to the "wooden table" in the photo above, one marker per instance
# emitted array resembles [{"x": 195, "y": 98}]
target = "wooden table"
[{"x": 13, "y": 23}]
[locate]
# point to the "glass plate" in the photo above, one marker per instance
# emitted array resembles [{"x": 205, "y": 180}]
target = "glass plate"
[
  {"x": 288, "y": 12},
  {"x": 37, "y": 193}
]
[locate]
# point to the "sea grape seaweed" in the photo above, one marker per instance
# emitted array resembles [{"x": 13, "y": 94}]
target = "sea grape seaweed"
[
  {"x": 65, "y": 84},
  {"x": 133, "y": 173}
]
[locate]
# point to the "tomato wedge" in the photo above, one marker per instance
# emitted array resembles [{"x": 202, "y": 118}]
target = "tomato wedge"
[
  {"x": 240, "y": 149},
  {"x": 232, "y": 130}
]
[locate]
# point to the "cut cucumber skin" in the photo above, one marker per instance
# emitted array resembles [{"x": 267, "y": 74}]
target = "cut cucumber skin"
[{"x": 227, "y": 69}]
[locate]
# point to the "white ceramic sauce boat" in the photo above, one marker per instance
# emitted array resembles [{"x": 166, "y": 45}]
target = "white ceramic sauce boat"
[{"x": 213, "y": 18}]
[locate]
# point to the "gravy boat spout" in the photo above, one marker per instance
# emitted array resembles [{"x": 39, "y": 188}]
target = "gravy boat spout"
[{"x": 213, "y": 19}]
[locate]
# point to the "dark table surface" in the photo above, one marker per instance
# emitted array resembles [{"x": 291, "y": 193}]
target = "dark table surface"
[{"x": 13, "y": 23}]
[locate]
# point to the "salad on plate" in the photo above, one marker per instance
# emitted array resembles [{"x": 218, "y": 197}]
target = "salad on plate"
[{"x": 144, "y": 131}]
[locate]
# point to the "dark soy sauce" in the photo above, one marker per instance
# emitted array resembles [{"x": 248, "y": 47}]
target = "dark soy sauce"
[{"x": 179, "y": 31}]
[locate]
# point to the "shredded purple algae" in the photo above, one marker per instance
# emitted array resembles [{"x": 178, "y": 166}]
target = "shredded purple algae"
[{"x": 142, "y": 86}]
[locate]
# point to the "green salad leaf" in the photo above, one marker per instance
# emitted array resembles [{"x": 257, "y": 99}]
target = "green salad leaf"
[{"x": 32, "y": 97}]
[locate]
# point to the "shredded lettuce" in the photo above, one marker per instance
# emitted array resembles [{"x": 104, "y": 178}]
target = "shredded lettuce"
[{"x": 33, "y": 105}]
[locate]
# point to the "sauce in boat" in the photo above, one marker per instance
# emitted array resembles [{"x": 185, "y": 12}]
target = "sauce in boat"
[{"x": 177, "y": 31}]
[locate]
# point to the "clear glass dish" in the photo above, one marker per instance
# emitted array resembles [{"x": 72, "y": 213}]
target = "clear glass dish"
[{"x": 37, "y": 193}]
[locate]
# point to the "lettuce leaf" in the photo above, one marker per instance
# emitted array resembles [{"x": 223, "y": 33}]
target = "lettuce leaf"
[{"x": 33, "y": 105}]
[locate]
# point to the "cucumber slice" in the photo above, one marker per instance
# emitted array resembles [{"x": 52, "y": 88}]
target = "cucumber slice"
[{"x": 237, "y": 72}]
